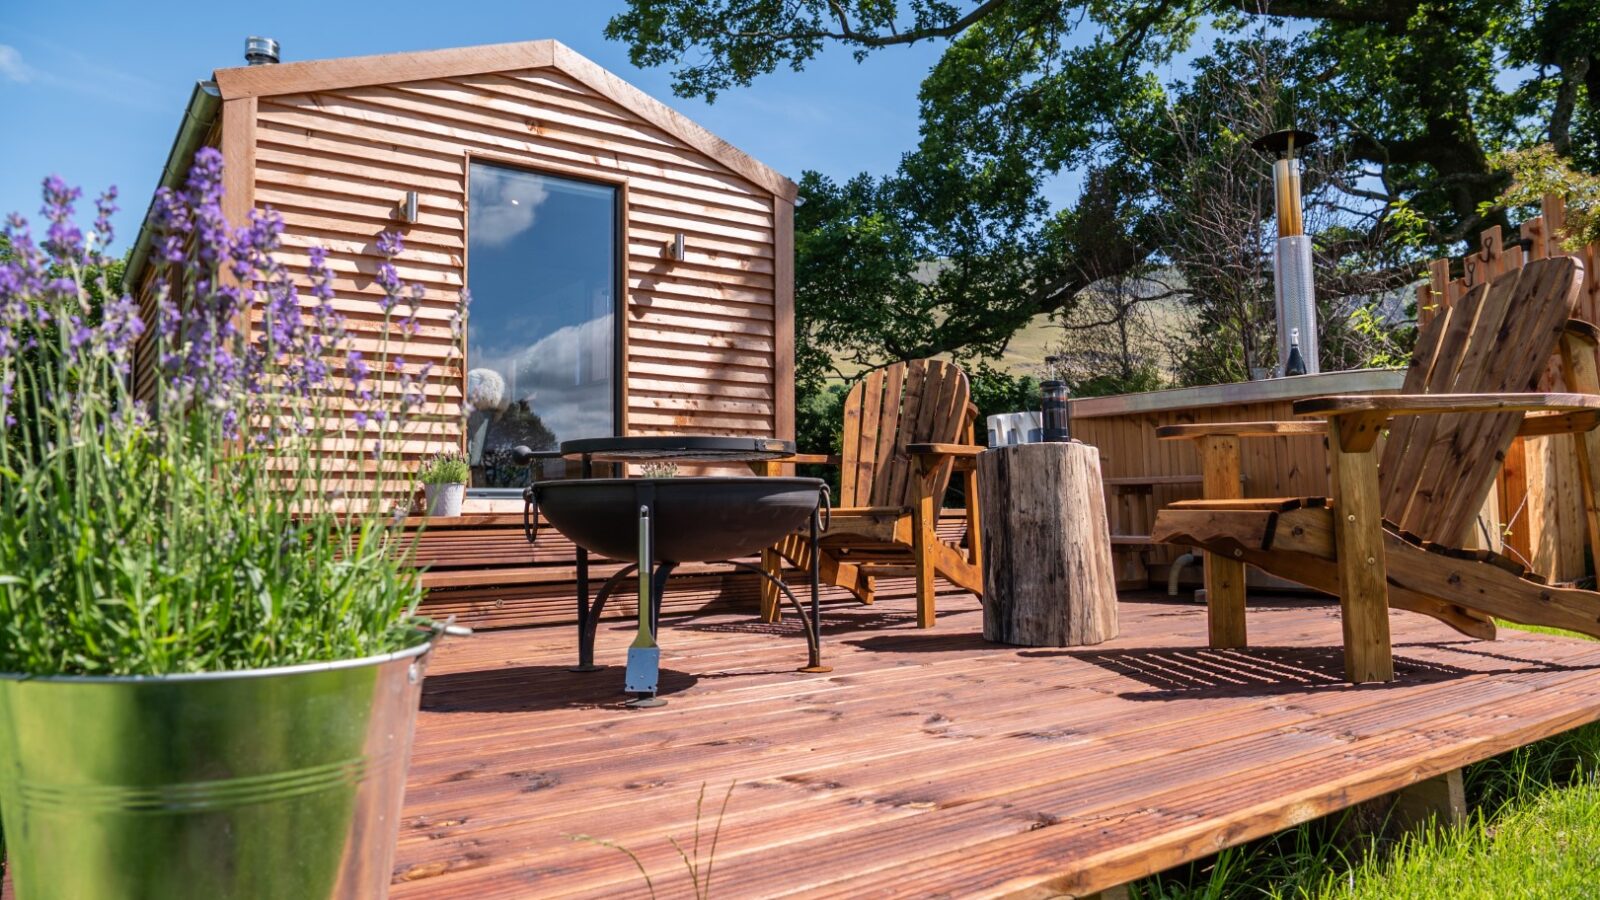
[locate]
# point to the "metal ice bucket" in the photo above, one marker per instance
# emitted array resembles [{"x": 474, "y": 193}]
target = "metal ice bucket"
[{"x": 272, "y": 783}]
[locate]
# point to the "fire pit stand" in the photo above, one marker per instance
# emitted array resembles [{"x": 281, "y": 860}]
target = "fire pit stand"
[{"x": 677, "y": 520}]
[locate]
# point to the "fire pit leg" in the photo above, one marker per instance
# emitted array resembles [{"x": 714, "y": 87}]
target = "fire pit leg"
[
  {"x": 586, "y": 620},
  {"x": 591, "y": 621},
  {"x": 813, "y": 643},
  {"x": 659, "y": 585},
  {"x": 816, "y": 589}
]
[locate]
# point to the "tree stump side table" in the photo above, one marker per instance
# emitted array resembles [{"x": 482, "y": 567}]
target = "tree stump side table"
[{"x": 1048, "y": 577}]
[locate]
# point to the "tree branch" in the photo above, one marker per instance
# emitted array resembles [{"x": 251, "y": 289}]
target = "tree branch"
[
  {"x": 848, "y": 34},
  {"x": 1341, "y": 11}
]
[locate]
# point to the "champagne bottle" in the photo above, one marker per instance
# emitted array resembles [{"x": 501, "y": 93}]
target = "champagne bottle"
[{"x": 1296, "y": 364}]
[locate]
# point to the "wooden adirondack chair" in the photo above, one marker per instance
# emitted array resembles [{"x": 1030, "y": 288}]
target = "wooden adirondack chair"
[
  {"x": 1390, "y": 534},
  {"x": 907, "y": 428}
]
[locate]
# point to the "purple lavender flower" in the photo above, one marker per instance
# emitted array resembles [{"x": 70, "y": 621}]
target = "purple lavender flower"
[
  {"x": 389, "y": 280},
  {"x": 105, "y": 207}
]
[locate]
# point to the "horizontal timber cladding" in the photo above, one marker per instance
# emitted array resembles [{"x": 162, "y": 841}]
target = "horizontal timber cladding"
[{"x": 701, "y": 348}]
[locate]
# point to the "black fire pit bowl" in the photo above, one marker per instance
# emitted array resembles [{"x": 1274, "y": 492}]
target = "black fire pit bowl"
[{"x": 696, "y": 519}]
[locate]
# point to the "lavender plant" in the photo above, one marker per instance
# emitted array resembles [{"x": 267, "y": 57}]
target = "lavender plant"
[
  {"x": 200, "y": 519},
  {"x": 449, "y": 467}
]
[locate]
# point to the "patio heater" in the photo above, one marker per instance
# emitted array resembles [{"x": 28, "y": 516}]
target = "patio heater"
[{"x": 1291, "y": 264}]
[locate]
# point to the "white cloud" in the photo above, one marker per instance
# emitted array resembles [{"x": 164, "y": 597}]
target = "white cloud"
[
  {"x": 87, "y": 77},
  {"x": 504, "y": 203},
  {"x": 564, "y": 377},
  {"x": 12, "y": 68}
]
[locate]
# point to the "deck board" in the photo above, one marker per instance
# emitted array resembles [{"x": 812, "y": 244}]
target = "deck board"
[{"x": 930, "y": 763}]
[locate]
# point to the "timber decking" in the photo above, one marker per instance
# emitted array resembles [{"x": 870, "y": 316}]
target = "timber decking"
[{"x": 931, "y": 763}]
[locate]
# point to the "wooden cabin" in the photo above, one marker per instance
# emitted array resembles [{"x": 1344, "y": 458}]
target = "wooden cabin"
[{"x": 631, "y": 272}]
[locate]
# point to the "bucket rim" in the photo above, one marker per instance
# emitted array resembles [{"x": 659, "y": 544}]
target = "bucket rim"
[{"x": 232, "y": 674}]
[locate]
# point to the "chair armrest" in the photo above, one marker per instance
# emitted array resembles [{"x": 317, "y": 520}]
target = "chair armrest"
[
  {"x": 1390, "y": 405},
  {"x": 774, "y": 466},
  {"x": 1559, "y": 423},
  {"x": 1551, "y": 422},
  {"x": 944, "y": 449},
  {"x": 1239, "y": 429},
  {"x": 964, "y": 457},
  {"x": 1583, "y": 329}
]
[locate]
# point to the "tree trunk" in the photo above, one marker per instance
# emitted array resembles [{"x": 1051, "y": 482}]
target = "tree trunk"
[{"x": 1048, "y": 578}]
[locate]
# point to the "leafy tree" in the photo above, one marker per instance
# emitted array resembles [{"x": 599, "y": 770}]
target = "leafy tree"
[{"x": 957, "y": 248}]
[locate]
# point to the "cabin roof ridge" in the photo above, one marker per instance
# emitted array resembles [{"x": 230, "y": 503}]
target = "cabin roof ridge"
[{"x": 336, "y": 73}]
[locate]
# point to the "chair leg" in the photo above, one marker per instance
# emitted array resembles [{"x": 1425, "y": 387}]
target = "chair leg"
[
  {"x": 772, "y": 564},
  {"x": 1358, "y": 545},
  {"x": 923, "y": 539},
  {"x": 974, "y": 519},
  {"x": 1225, "y": 587}
]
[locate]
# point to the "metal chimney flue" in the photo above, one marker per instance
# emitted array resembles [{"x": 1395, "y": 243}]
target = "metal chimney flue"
[
  {"x": 1293, "y": 287},
  {"x": 260, "y": 51}
]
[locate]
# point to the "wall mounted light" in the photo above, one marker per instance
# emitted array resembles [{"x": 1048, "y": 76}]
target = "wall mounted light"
[
  {"x": 408, "y": 208},
  {"x": 678, "y": 249}
]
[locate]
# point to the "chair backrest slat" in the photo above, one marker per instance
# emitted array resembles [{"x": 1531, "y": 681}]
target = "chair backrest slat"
[
  {"x": 1437, "y": 471},
  {"x": 921, "y": 401},
  {"x": 894, "y": 383},
  {"x": 1432, "y": 346},
  {"x": 850, "y": 443},
  {"x": 891, "y": 484}
]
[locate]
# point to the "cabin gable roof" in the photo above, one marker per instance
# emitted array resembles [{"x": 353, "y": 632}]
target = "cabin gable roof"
[{"x": 359, "y": 71}]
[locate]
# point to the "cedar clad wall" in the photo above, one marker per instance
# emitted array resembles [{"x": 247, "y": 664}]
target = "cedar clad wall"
[{"x": 702, "y": 335}]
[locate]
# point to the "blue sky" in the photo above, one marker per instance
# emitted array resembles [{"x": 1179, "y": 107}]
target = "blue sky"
[{"x": 93, "y": 91}]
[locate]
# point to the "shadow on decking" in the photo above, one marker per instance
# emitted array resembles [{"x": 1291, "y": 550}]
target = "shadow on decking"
[
  {"x": 519, "y": 689},
  {"x": 833, "y": 623},
  {"x": 929, "y": 642},
  {"x": 1197, "y": 673}
]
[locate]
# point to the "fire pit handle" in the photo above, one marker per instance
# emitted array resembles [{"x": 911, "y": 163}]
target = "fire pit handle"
[
  {"x": 523, "y": 455},
  {"x": 530, "y": 514},
  {"x": 825, "y": 500}
]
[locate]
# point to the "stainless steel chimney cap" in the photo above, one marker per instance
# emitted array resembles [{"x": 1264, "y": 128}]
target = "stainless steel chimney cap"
[{"x": 260, "y": 51}]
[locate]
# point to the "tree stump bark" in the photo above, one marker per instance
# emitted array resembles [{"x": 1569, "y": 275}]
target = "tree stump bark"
[{"x": 1048, "y": 576}]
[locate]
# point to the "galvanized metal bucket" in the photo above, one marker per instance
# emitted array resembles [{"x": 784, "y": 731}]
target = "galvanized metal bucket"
[{"x": 271, "y": 783}]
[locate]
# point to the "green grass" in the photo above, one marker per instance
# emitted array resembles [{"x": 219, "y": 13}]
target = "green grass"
[{"x": 1533, "y": 832}]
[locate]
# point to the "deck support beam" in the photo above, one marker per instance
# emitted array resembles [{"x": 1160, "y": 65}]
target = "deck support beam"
[
  {"x": 1437, "y": 802},
  {"x": 1432, "y": 804}
]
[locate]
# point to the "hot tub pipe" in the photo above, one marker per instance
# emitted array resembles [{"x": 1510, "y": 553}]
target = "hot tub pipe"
[{"x": 1178, "y": 565}]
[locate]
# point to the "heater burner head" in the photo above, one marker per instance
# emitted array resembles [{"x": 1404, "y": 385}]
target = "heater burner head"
[{"x": 1280, "y": 142}]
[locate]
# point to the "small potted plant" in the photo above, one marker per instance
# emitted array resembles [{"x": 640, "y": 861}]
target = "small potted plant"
[
  {"x": 210, "y": 659},
  {"x": 444, "y": 484}
]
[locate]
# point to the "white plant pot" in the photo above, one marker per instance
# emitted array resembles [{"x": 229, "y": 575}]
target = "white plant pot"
[{"x": 444, "y": 500}]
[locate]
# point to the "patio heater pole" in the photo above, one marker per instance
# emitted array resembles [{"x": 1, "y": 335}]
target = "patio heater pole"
[{"x": 1291, "y": 264}]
